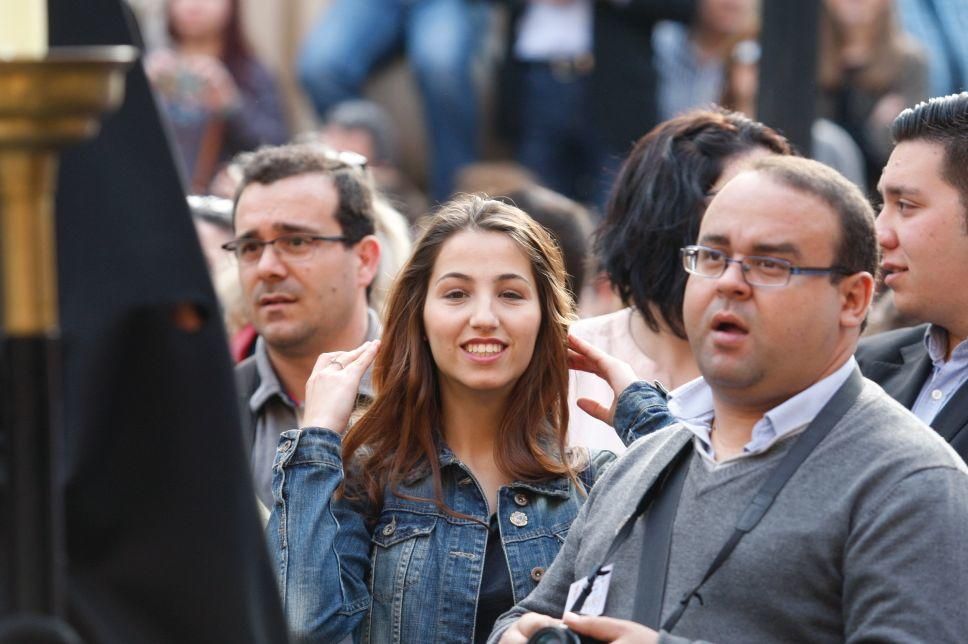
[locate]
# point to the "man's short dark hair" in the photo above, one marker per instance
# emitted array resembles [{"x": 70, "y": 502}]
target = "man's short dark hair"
[
  {"x": 942, "y": 120},
  {"x": 659, "y": 199},
  {"x": 857, "y": 249},
  {"x": 354, "y": 212}
]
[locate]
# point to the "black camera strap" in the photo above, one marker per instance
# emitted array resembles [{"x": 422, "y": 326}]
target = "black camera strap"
[
  {"x": 670, "y": 479},
  {"x": 654, "y": 575}
]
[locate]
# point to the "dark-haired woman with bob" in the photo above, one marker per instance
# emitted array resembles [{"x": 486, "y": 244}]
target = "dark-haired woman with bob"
[
  {"x": 445, "y": 502},
  {"x": 657, "y": 202}
]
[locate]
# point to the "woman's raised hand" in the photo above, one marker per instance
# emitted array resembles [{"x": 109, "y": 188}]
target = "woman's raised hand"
[
  {"x": 333, "y": 386},
  {"x": 583, "y": 356}
]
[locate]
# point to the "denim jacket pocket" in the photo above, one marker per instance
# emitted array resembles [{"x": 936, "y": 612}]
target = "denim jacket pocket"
[{"x": 401, "y": 543}]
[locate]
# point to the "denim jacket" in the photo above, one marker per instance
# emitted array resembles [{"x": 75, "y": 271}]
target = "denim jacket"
[{"x": 414, "y": 575}]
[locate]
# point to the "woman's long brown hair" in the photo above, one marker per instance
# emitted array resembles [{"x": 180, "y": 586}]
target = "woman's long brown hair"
[{"x": 400, "y": 431}]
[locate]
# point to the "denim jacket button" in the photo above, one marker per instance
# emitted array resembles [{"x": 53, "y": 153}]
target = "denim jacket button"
[
  {"x": 521, "y": 498},
  {"x": 537, "y": 572},
  {"x": 390, "y": 528},
  {"x": 285, "y": 445},
  {"x": 520, "y": 519}
]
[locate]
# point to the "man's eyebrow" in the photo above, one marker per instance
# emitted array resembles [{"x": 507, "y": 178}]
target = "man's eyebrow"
[
  {"x": 784, "y": 248},
  {"x": 280, "y": 227},
  {"x": 897, "y": 190},
  {"x": 293, "y": 228},
  {"x": 721, "y": 240}
]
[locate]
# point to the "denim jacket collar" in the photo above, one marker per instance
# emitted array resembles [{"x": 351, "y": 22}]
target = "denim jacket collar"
[{"x": 557, "y": 487}]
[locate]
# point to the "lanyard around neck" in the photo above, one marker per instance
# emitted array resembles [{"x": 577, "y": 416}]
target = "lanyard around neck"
[{"x": 755, "y": 510}]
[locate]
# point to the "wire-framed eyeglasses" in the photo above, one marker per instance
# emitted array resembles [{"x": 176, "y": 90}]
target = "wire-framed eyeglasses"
[
  {"x": 291, "y": 246},
  {"x": 757, "y": 270}
]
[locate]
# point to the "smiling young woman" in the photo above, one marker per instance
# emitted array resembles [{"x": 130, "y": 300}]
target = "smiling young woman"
[{"x": 446, "y": 501}]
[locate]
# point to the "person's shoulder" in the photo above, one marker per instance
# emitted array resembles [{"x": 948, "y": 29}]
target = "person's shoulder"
[
  {"x": 644, "y": 457},
  {"x": 885, "y": 346},
  {"x": 247, "y": 375},
  {"x": 598, "y": 328},
  {"x": 589, "y": 463},
  {"x": 889, "y": 433}
]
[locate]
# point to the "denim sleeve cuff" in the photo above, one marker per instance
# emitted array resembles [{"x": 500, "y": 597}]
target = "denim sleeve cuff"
[
  {"x": 640, "y": 410},
  {"x": 308, "y": 445}
]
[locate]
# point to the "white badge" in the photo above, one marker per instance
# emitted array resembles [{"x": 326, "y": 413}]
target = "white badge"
[{"x": 595, "y": 602}]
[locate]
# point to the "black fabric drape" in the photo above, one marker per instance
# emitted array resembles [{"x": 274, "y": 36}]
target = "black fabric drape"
[{"x": 164, "y": 542}]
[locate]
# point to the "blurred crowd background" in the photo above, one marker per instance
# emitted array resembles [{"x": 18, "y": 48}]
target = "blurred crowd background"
[{"x": 537, "y": 101}]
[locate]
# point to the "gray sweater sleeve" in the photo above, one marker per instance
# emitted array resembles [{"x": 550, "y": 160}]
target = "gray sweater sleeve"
[{"x": 905, "y": 572}]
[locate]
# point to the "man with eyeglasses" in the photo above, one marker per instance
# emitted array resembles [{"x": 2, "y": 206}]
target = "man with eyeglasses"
[
  {"x": 923, "y": 233},
  {"x": 793, "y": 500},
  {"x": 306, "y": 253}
]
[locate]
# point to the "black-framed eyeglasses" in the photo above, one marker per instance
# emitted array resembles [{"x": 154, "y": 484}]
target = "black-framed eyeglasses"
[
  {"x": 757, "y": 270},
  {"x": 291, "y": 246}
]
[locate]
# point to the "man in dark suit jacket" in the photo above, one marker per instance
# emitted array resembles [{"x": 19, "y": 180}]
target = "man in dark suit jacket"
[{"x": 923, "y": 233}]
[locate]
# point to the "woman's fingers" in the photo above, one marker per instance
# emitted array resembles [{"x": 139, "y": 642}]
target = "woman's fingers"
[
  {"x": 595, "y": 409},
  {"x": 365, "y": 354},
  {"x": 334, "y": 384},
  {"x": 578, "y": 362},
  {"x": 341, "y": 359},
  {"x": 586, "y": 357}
]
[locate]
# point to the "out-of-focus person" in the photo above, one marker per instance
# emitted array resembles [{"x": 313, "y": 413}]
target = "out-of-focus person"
[
  {"x": 212, "y": 217},
  {"x": 656, "y": 206},
  {"x": 690, "y": 60},
  {"x": 830, "y": 144},
  {"x": 940, "y": 27},
  {"x": 440, "y": 38},
  {"x": 579, "y": 87},
  {"x": 868, "y": 72},
  {"x": 218, "y": 97},
  {"x": 364, "y": 127},
  {"x": 306, "y": 254}
]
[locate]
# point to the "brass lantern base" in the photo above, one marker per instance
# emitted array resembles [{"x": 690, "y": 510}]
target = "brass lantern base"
[{"x": 45, "y": 105}]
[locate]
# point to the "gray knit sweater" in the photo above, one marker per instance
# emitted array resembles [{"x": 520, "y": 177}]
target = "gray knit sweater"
[{"x": 865, "y": 543}]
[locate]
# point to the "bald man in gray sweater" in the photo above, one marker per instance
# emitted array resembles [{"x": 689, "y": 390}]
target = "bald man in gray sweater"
[{"x": 864, "y": 542}]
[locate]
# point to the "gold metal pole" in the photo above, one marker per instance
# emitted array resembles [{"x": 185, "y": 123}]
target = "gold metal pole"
[
  {"x": 29, "y": 264},
  {"x": 45, "y": 105}
]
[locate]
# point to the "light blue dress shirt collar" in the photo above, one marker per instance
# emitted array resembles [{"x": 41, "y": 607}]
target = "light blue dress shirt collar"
[
  {"x": 692, "y": 404},
  {"x": 947, "y": 376}
]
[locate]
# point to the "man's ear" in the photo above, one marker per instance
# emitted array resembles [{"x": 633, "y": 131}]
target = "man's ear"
[
  {"x": 856, "y": 293},
  {"x": 368, "y": 252}
]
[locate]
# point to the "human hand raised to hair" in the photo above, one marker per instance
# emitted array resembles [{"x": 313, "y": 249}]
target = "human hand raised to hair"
[
  {"x": 583, "y": 356},
  {"x": 333, "y": 386}
]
